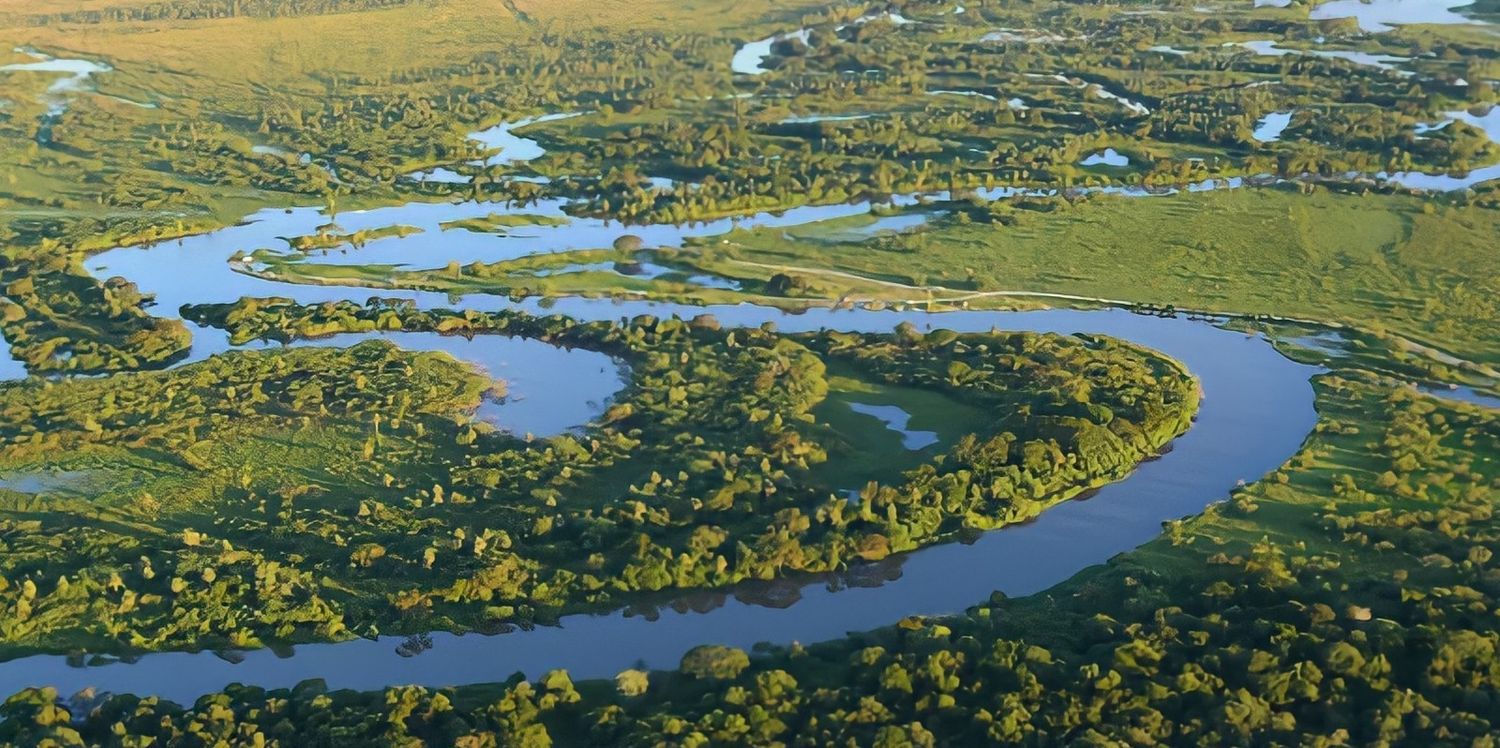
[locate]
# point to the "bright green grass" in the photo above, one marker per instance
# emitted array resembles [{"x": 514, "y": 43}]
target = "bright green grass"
[
  {"x": 1376, "y": 262},
  {"x": 862, "y": 448},
  {"x": 498, "y": 222},
  {"x": 1336, "y": 474}
]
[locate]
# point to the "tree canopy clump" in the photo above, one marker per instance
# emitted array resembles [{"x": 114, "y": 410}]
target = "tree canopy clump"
[
  {"x": 1357, "y": 609},
  {"x": 220, "y": 493}
]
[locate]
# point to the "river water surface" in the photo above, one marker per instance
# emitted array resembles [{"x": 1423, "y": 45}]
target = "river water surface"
[{"x": 1257, "y": 410}]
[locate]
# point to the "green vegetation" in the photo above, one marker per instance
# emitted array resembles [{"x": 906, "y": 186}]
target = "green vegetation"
[
  {"x": 337, "y": 101},
  {"x": 1349, "y": 600},
  {"x": 262, "y": 498},
  {"x": 500, "y": 223},
  {"x": 184, "y": 460},
  {"x": 1399, "y": 271},
  {"x": 65, "y": 321},
  {"x": 863, "y": 450},
  {"x": 1387, "y": 265},
  {"x": 308, "y": 495},
  {"x": 208, "y": 9},
  {"x": 328, "y": 237},
  {"x": 585, "y": 272}
]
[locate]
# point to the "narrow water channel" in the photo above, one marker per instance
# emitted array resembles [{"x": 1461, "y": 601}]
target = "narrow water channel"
[{"x": 1257, "y": 410}]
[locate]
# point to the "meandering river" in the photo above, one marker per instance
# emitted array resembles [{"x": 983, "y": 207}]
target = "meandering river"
[{"x": 1257, "y": 410}]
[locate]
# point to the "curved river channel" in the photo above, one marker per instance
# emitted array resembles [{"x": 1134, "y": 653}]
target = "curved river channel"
[{"x": 1256, "y": 411}]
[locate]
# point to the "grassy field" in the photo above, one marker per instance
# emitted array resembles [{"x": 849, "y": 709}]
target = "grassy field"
[
  {"x": 864, "y": 449},
  {"x": 1377, "y": 262},
  {"x": 1398, "y": 269},
  {"x": 225, "y": 71},
  {"x": 1347, "y": 601},
  {"x": 1377, "y": 538},
  {"x": 1387, "y": 456}
]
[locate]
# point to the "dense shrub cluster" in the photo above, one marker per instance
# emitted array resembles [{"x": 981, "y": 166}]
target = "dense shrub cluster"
[{"x": 362, "y": 466}]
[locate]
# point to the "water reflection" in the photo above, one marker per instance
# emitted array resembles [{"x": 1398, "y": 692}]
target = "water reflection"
[
  {"x": 1271, "y": 126},
  {"x": 1257, "y": 409},
  {"x": 74, "y": 75},
  {"x": 1256, "y": 412},
  {"x": 1378, "y": 16}
]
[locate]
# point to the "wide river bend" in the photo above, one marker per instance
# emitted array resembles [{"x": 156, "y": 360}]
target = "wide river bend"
[{"x": 1256, "y": 412}]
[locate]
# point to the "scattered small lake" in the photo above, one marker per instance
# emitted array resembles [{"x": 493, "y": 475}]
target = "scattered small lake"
[
  {"x": 1417, "y": 180},
  {"x": 1269, "y": 48},
  {"x": 1130, "y": 105},
  {"x": 515, "y": 149},
  {"x": 1015, "y": 103},
  {"x": 1463, "y": 394},
  {"x": 889, "y": 16},
  {"x": 880, "y": 226},
  {"x": 975, "y": 94},
  {"x": 1271, "y": 126},
  {"x": 896, "y": 419},
  {"x": 441, "y": 175},
  {"x": 548, "y": 390},
  {"x": 11, "y": 368},
  {"x": 750, "y": 59},
  {"x": 1023, "y": 36},
  {"x": 75, "y": 75},
  {"x": 1489, "y": 122},
  {"x": 1378, "y": 16},
  {"x": 654, "y": 271},
  {"x": 644, "y": 270},
  {"x": 1333, "y": 344},
  {"x": 1106, "y": 157},
  {"x": 811, "y": 118},
  {"x": 44, "y": 481},
  {"x": 1257, "y": 410},
  {"x": 1327, "y": 342},
  {"x": 577, "y": 267}
]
